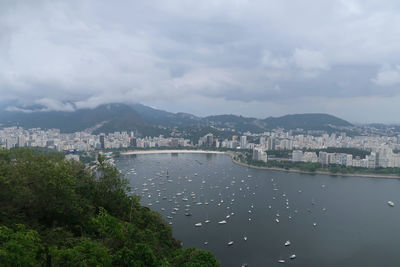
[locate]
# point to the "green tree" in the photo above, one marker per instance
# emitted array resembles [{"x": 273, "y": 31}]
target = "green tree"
[
  {"x": 20, "y": 247},
  {"x": 85, "y": 253}
]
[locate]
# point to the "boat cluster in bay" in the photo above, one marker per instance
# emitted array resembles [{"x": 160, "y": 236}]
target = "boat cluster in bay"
[{"x": 175, "y": 197}]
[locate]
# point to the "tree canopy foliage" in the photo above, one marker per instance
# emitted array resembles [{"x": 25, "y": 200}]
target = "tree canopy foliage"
[{"x": 56, "y": 212}]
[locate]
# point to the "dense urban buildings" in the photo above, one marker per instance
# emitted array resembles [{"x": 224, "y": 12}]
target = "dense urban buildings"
[{"x": 380, "y": 148}]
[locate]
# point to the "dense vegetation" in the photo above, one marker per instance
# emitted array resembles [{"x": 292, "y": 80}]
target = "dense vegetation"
[
  {"x": 58, "y": 213},
  {"x": 147, "y": 121}
]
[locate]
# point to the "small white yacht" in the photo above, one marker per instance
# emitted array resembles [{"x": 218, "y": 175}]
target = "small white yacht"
[
  {"x": 222, "y": 222},
  {"x": 292, "y": 257},
  {"x": 230, "y": 243},
  {"x": 281, "y": 261},
  {"x": 287, "y": 243},
  {"x": 390, "y": 203},
  {"x": 198, "y": 224}
]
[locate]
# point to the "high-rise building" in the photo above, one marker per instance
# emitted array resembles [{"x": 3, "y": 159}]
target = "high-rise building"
[
  {"x": 243, "y": 142},
  {"x": 21, "y": 141},
  {"x": 262, "y": 140},
  {"x": 210, "y": 139},
  {"x": 309, "y": 156},
  {"x": 297, "y": 155},
  {"x": 132, "y": 142},
  {"x": 271, "y": 143},
  {"x": 102, "y": 137},
  {"x": 174, "y": 142},
  {"x": 259, "y": 154},
  {"x": 371, "y": 160},
  {"x": 323, "y": 158}
]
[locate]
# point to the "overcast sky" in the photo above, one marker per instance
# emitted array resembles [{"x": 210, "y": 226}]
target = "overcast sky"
[{"x": 254, "y": 58}]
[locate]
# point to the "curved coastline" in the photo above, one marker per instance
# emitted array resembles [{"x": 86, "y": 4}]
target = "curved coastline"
[
  {"x": 317, "y": 172},
  {"x": 231, "y": 154}
]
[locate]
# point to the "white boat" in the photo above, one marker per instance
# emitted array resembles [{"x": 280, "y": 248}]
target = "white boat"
[
  {"x": 287, "y": 243},
  {"x": 277, "y": 220},
  {"x": 281, "y": 261},
  {"x": 245, "y": 238},
  {"x": 207, "y": 221},
  {"x": 390, "y": 203},
  {"x": 198, "y": 224},
  {"x": 222, "y": 222},
  {"x": 314, "y": 224},
  {"x": 292, "y": 257},
  {"x": 230, "y": 243}
]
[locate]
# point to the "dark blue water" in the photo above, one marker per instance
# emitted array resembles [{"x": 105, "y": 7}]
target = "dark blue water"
[{"x": 354, "y": 224}]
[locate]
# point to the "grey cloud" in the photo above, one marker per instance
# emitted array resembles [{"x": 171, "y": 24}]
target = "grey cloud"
[
  {"x": 388, "y": 76},
  {"x": 75, "y": 54}
]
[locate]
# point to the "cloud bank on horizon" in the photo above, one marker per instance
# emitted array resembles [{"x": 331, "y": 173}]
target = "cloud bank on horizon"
[{"x": 254, "y": 58}]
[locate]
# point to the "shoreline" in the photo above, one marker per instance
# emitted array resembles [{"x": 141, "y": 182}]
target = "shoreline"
[
  {"x": 231, "y": 154},
  {"x": 361, "y": 175}
]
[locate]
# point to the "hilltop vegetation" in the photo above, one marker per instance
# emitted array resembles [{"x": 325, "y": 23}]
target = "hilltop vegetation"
[
  {"x": 58, "y": 213},
  {"x": 147, "y": 121}
]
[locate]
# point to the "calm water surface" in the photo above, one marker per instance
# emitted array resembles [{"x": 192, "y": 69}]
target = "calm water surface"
[{"x": 354, "y": 224}]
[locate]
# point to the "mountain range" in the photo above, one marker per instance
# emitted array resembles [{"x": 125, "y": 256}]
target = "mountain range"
[{"x": 147, "y": 121}]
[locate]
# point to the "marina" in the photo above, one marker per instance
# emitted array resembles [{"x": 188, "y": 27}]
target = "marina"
[{"x": 268, "y": 218}]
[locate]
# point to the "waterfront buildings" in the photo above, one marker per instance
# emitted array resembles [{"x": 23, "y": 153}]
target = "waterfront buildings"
[{"x": 304, "y": 148}]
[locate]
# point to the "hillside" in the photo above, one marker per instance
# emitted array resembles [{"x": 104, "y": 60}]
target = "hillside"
[
  {"x": 308, "y": 121},
  {"x": 58, "y": 213},
  {"x": 71, "y": 121},
  {"x": 147, "y": 121}
]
